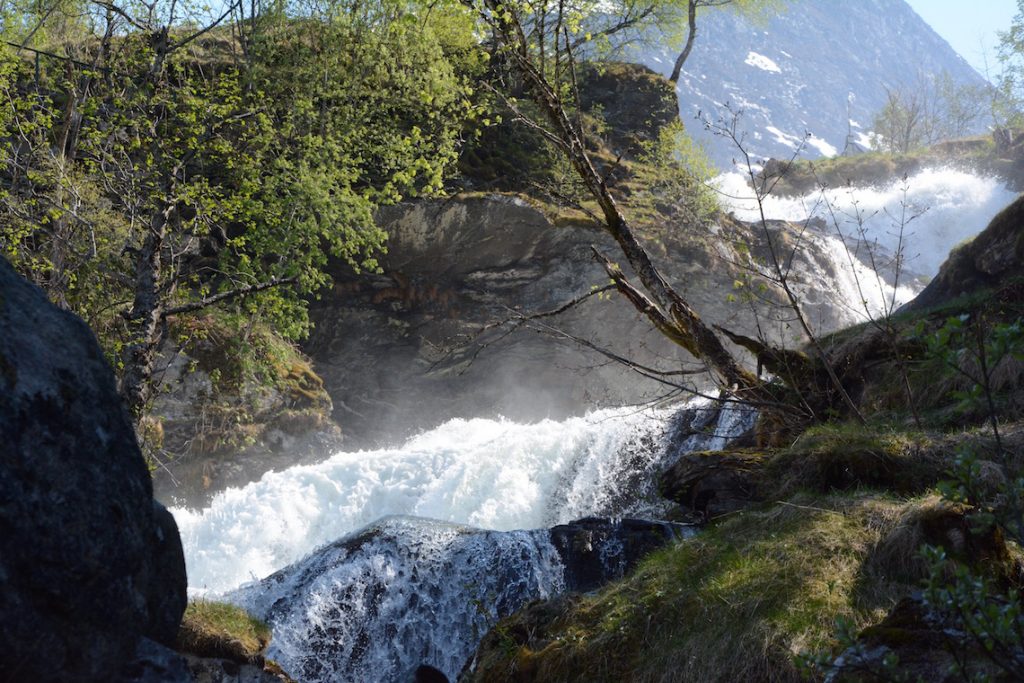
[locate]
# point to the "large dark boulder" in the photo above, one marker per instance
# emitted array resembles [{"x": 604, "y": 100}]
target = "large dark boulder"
[{"x": 88, "y": 561}]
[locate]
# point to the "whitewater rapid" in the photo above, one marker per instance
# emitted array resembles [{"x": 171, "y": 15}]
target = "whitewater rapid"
[
  {"x": 938, "y": 208},
  {"x": 489, "y": 474}
]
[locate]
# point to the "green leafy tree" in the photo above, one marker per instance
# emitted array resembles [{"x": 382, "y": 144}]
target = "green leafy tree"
[
  {"x": 1007, "y": 108},
  {"x": 171, "y": 168},
  {"x": 933, "y": 108}
]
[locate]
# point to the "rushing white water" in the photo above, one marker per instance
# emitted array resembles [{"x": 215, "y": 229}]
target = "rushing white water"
[
  {"x": 847, "y": 270},
  {"x": 835, "y": 279},
  {"x": 937, "y": 207},
  {"x": 492, "y": 474}
]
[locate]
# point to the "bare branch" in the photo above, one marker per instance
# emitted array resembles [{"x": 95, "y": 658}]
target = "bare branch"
[{"x": 225, "y": 296}]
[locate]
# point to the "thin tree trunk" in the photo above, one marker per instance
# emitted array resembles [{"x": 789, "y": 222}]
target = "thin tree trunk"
[
  {"x": 691, "y": 38},
  {"x": 688, "y": 329},
  {"x": 145, "y": 317}
]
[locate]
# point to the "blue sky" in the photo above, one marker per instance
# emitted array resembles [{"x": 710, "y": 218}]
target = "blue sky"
[{"x": 970, "y": 27}]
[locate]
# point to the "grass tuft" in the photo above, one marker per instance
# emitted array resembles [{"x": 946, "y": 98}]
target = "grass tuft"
[
  {"x": 846, "y": 456},
  {"x": 217, "y": 629}
]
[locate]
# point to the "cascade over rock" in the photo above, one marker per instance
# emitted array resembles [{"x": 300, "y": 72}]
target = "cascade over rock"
[
  {"x": 371, "y": 600},
  {"x": 403, "y": 591},
  {"x": 89, "y": 562}
]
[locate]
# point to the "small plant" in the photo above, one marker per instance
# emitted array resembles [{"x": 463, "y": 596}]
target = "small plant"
[
  {"x": 977, "y": 614},
  {"x": 970, "y": 602},
  {"x": 217, "y": 629}
]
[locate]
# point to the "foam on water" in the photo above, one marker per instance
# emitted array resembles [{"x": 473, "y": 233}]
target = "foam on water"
[
  {"x": 940, "y": 207},
  {"x": 492, "y": 474}
]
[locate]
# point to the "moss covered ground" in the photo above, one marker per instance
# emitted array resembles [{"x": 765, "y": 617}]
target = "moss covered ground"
[
  {"x": 761, "y": 591},
  {"x": 740, "y": 602}
]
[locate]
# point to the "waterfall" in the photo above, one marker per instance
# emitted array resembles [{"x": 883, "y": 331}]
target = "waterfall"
[
  {"x": 373, "y": 588},
  {"x": 940, "y": 208},
  {"x": 490, "y": 474},
  {"x": 925, "y": 215}
]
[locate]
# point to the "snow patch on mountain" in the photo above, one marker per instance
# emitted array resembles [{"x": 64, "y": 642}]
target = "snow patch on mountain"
[
  {"x": 791, "y": 141},
  {"x": 822, "y": 147},
  {"x": 761, "y": 62}
]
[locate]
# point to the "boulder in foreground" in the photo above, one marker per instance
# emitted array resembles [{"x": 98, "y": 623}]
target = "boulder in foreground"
[{"x": 89, "y": 562}]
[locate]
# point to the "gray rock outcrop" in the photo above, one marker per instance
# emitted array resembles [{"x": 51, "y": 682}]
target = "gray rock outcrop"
[
  {"x": 418, "y": 344},
  {"x": 88, "y": 561}
]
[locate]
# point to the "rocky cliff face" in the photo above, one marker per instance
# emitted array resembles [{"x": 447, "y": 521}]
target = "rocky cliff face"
[
  {"x": 811, "y": 68},
  {"x": 419, "y": 344},
  {"x": 405, "y": 345},
  {"x": 89, "y": 562}
]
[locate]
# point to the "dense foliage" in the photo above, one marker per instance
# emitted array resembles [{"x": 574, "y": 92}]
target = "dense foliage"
[{"x": 157, "y": 164}]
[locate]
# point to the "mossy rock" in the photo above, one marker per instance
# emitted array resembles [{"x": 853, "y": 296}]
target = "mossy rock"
[
  {"x": 844, "y": 457},
  {"x": 735, "y": 603},
  {"x": 714, "y": 483},
  {"x": 231, "y": 388},
  {"x": 222, "y": 631},
  {"x": 986, "y": 262}
]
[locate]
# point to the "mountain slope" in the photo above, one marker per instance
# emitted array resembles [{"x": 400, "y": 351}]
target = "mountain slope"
[{"x": 810, "y": 68}]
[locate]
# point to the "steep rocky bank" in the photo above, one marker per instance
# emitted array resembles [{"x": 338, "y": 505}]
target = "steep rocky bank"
[{"x": 232, "y": 409}]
